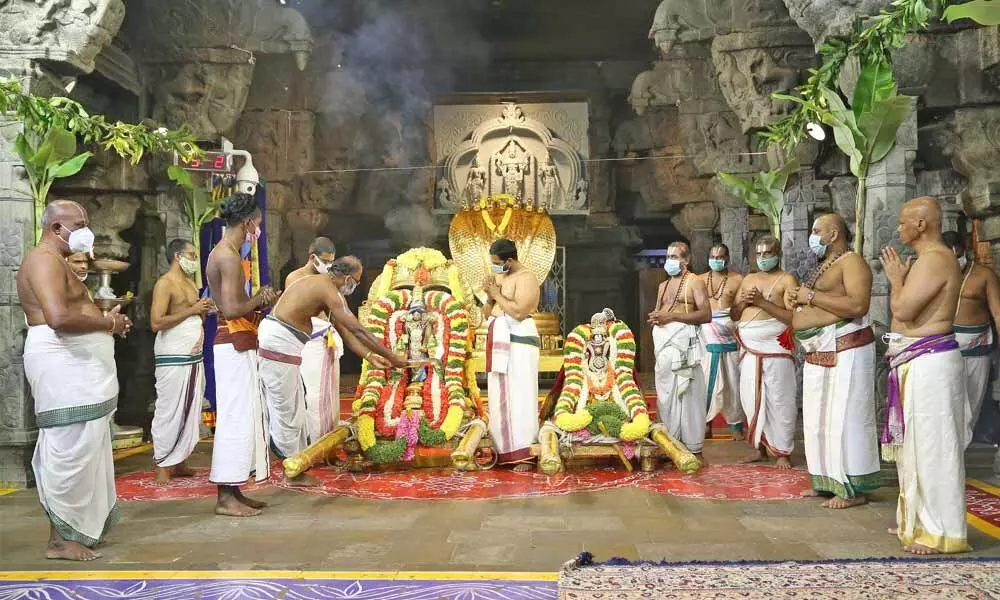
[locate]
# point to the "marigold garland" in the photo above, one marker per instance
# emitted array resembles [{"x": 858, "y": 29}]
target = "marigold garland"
[
  {"x": 384, "y": 386},
  {"x": 366, "y": 432},
  {"x": 631, "y": 416}
]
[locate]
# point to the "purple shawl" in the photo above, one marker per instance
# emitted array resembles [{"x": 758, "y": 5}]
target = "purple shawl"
[{"x": 892, "y": 435}]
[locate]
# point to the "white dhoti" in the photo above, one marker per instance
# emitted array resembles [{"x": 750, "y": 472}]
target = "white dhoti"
[
  {"x": 927, "y": 386},
  {"x": 180, "y": 390},
  {"x": 722, "y": 371},
  {"x": 280, "y": 354},
  {"x": 976, "y": 345},
  {"x": 321, "y": 376},
  {"x": 512, "y": 365},
  {"x": 74, "y": 382},
  {"x": 680, "y": 383},
  {"x": 767, "y": 384},
  {"x": 240, "y": 446},
  {"x": 838, "y": 408}
]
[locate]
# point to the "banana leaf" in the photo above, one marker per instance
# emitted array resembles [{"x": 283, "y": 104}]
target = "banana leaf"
[
  {"x": 875, "y": 83},
  {"x": 984, "y": 12},
  {"x": 68, "y": 168},
  {"x": 846, "y": 134},
  {"x": 880, "y": 126}
]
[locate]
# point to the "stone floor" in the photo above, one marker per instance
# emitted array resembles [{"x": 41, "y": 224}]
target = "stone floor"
[{"x": 309, "y": 532}]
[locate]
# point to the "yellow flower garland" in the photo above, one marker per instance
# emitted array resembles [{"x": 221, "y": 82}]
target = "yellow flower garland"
[
  {"x": 366, "y": 432},
  {"x": 452, "y": 421},
  {"x": 635, "y": 429},
  {"x": 573, "y": 421}
]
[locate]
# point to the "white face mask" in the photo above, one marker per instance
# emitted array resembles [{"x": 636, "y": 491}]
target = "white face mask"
[
  {"x": 962, "y": 261},
  {"x": 82, "y": 277},
  {"x": 80, "y": 240},
  {"x": 190, "y": 267},
  {"x": 673, "y": 267},
  {"x": 320, "y": 266},
  {"x": 253, "y": 236},
  {"x": 348, "y": 288}
]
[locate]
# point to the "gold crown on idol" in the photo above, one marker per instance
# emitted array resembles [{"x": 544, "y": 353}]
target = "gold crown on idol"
[{"x": 424, "y": 267}]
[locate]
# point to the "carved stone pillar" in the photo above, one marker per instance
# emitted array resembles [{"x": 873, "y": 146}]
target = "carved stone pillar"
[
  {"x": 699, "y": 221},
  {"x": 734, "y": 224},
  {"x": 891, "y": 182},
  {"x": 17, "y": 415}
]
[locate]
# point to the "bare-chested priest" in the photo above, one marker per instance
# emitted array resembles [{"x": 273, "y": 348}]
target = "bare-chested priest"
[
  {"x": 512, "y": 355},
  {"x": 767, "y": 365},
  {"x": 722, "y": 365},
  {"x": 681, "y": 307},
  {"x": 69, "y": 362},
  {"x": 978, "y": 305},
  {"x": 176, "y": 317},
  {"x": 321, "y": 354},
  {"x": 240, "y": 445},
  {"x": 925, "y": 431},
  {"x": 830, "y": 318},
  {"x": 283, "y": 334}
]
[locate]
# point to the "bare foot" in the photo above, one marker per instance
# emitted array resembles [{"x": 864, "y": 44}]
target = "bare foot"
[
  {"x": 62, "y": 550},
  {"x": 182, "y": 470},
  {"x": 523, "y": 467},
  {"x": 810, "y": 493},
  {"x": 738, "y": 436},
  {"x": 920, "y": 549},
  {"x": 162, "y": 475},
  {"x": 837, "y": 502},
  {"x": 229, "y": 506},
  {"x": 759, "y": 456},
  {"x": 249, "y": 501},
  {"x": 303, "y": 480},
  {"x": 783, "y": 463}
]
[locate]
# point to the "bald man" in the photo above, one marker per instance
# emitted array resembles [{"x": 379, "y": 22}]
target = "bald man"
[
  {"x": 767, "y": 365},
  {"x": 978, "y": 305},
  {"x": 682, "y": 305},
  {"x": 830, "y": 319},
  {"x": 69, "y": 362},
  {"x": 925, "y": 432},
  {"x": 322, "y": 353},
  {"x": 282, "y": 337}
]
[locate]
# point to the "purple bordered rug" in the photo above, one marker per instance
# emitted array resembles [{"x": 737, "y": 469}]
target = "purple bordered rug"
[
  {"x": 868, "y": 579},
  {"x": 177, "y": 587}
]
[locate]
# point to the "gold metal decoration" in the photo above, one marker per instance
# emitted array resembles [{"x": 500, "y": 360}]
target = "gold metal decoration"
[
  {"x": 501, "y": 216},
  {"x": 463, "y": 458},
  {"x": 315, "y": 454},
  {"x": 683, "y": 459},
  {"x": 549, "y": 461}
]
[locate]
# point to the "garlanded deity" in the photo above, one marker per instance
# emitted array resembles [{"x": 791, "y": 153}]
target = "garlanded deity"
[{"x": 512, "y": 164}]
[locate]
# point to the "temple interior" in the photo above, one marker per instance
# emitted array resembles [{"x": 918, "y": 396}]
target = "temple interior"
[{"x": 594, "y": 134}]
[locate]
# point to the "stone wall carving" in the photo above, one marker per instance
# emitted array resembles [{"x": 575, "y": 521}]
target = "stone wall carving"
[
  {"x": 824, "y": 18},
  {"x": 753, "y": 65},
  {"x": 514, "y": 153},
  {"x": 974, "y": 148},
  {"x": 72, "y": 32},
  {"x": 679, "y": 21},
  {"x": 109, "y": 215}
]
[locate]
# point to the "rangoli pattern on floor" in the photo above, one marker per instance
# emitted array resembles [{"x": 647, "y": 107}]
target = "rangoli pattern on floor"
[
  {"x": 833, "y": 580},
  {"x": 286, "y": 589},
  {"x": 715, "y": 482}
]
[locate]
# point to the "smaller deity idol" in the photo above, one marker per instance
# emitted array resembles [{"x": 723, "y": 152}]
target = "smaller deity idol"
[
  {"x": 475, "y": 184},
  {"x": 548, "y": 176},
  {"x": 597, "y": 354},
  {"x": 418, "y": 337}
]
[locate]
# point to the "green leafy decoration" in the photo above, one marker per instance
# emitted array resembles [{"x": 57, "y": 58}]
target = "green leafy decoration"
[
  {"x": 386, "y": 452},
  {"x": 429, "y": 436},
  {"x": 52, "y": 126},
  {"x": 875, "y": 83},
  {"x": 765, "y": 192},
  {"x": 984, "y": 12}
]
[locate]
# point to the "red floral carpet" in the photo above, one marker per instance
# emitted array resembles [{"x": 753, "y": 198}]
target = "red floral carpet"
[
  {"x": 983, "y": 506},
  {"x": 715, "y": 482}
]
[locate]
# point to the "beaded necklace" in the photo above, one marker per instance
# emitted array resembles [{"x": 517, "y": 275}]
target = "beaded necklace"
[
  {"x": 677, "y": 294},
  {"x": 822, "y": 267},
  {"x": 714, "y": 295}
]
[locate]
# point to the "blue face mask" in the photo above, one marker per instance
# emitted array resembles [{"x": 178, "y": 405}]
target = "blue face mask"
[
  {"x": 500, "y": 269},
  {"x": 717, "y": 264},
  {"x": 767, "y": 264},
  {"x": 672, "y": 266},
  {"x": 816, "y": 245}
]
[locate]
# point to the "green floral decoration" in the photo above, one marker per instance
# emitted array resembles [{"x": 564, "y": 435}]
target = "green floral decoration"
[
  {"x": 384, "y": 453},
  {"x": 429, "y": 436},
  {"x": 608, "y": 413}
]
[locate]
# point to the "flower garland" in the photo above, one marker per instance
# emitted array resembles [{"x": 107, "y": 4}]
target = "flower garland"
[
  {"x": 386, "y": 389},
  {"x": 632, "y": 422}
]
